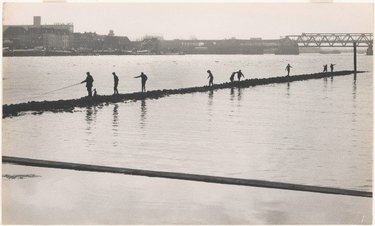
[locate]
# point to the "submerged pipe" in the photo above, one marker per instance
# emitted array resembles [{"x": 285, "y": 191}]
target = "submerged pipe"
[
  {"x": 184, "y": 176},
  {"x": 69, "y": 105}
]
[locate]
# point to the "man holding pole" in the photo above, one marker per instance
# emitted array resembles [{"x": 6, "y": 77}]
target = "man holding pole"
[{"x": 89, "y": 81}]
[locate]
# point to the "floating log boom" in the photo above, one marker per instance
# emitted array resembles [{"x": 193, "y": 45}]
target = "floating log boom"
[{"x": 184, "y": 176}]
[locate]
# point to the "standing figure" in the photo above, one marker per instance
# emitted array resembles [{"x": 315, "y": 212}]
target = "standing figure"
[
  {"x": 115, "y": 79},
  {"x": 288, "y": 67},
  {"x": 239, "y": 75},
  {"x": 325, "y": 68},
  {"x": 89, "y": 81},
  {"x": 211, "y": 77},
  {"x": 331, "y": 66},
  {"x": 232, "y": 76},
  {"x": 144, "y": 79}
]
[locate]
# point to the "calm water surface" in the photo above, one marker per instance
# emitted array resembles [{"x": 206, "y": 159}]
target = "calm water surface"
[{"x": 316, "y": 132}]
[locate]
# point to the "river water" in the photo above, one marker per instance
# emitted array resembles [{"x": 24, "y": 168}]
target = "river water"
[
  {"x": 28, "y": 78},
  {"x": 316, "y": 132}
]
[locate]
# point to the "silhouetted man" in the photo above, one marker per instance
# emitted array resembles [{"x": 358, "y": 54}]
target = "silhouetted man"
[
  {"x": 325, "y": 68},
  {"x": 144, "y": 79},
  {"x": 115, "y": 79},
  {"x": 211, "y": 77},
  {"x": 232, "y": 76},
  {"x": 89, "y": 81},
  {"x": 239, "y": 75},
  {"x": 331, "y": 66},
  {"x": 288, "y": 67}
]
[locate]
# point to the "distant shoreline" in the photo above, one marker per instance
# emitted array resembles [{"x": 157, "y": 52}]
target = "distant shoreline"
[
  {"x": 36, "y": 53},
  {"x": 28, "y": 53}
]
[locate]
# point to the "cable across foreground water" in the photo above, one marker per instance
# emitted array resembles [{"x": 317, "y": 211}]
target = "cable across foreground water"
[
  {"x": 69, "y": 105},
  {"x": 183, "y": 176}
]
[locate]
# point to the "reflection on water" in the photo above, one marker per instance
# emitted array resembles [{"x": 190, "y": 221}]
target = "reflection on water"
[
  {"x": 288, "y": 89},
  {"x": 210, "y": 97},
  {"x": 239, "y": 97},
  {"x": 231, "y": 94},
  {"x": 354, "y": 92},
  {"x": 115, "y": 122},
  {"x": 354, "y": 87},
  {"x": 210, "y": 103},
  {"x": 115, "y": 125},
  {"x": 325, "y": 84},
  {"x": 143, "y": 113},
  {"x": 90, "y": 124},
  {"x": 90, "y": 118}
]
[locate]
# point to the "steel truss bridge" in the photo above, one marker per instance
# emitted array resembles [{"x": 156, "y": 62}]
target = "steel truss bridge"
[{"x": 333, "y": 39}]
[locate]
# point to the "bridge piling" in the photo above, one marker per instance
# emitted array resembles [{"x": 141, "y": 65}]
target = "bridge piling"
[{"x": 355, "y": 56}]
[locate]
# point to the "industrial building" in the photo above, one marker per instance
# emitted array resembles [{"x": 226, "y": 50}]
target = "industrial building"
[
  {"x": 38, "y": 39},
  {"x": 52, "y": 38}
]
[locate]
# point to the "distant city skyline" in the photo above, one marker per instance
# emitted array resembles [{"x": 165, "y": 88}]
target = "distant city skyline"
[{"x": 198, "y": 20}]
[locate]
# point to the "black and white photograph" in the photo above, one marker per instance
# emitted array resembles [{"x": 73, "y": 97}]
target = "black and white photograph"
[{"x": 187, "y": 113}]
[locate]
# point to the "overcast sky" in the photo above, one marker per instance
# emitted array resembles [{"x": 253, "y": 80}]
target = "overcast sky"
[{"x": 200, "y": 20}]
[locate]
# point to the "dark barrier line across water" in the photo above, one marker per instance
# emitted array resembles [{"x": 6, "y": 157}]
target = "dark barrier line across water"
[
  {"x": 183, "y": 176},
  {"x": 69, "y": 105}
]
